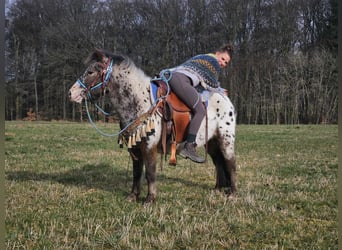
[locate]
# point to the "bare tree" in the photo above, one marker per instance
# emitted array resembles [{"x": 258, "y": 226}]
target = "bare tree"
[{"x": 283, "y": 69}]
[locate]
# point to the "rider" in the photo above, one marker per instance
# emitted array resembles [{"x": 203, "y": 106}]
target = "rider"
[{"x": 203, "y": 69}]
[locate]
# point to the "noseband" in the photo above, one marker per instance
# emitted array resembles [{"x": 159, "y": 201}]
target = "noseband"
[{"x": 101, "y": 80}]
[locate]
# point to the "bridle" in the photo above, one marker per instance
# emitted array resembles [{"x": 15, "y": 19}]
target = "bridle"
[{"x": 101, "y": 79}]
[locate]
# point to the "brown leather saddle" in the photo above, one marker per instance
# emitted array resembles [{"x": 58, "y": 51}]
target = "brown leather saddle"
[{"x": 176, "y": 118}]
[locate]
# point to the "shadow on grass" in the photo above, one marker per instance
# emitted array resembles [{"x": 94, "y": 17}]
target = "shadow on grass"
[
  {"x": 184, "y": 181},
  {"x": 99, "y": 176}
]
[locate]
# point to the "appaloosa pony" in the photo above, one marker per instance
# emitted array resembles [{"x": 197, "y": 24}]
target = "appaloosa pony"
[{"x": 129, "y": 90}]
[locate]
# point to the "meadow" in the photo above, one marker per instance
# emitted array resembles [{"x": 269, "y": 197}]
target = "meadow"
[{"x": 66, "y": 187}]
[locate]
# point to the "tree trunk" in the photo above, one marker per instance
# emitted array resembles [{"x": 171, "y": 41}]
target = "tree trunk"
[
  {"x": 17, "y": 90},
  {"x": 64, "y": 95},
  {"x": 36, "y": 94}
]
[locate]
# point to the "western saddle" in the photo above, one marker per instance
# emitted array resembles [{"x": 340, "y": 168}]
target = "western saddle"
[{"x": 175, "y": 120}]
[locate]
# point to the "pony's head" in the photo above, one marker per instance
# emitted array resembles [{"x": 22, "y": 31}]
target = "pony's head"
[{"x": 93, "y": 81}]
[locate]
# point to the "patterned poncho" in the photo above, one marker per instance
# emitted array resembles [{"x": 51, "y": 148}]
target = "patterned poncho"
[{"x": 205, "y": 66}]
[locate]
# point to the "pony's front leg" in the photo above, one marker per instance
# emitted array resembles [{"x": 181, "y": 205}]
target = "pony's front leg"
[
  {"x": 138, "y": 164},
  {"x": 151, "y": 166}
]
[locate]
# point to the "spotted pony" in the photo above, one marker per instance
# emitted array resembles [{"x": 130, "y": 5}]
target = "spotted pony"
[{"x": 129, "y": 90}]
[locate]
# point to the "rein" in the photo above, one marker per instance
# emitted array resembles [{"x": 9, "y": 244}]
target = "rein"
[
  {"x": 100, "y": 131},
  {"x": 103, "y": 84}
]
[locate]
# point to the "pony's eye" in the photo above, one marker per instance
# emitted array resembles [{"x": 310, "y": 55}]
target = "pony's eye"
[{"x": 90, "y": 72}]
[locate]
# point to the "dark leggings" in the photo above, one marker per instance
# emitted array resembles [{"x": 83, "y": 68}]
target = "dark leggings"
[{"x": 181, "y": 85}]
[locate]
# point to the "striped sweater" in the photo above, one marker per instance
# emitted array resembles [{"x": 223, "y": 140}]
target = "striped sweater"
[{"x": 202, "y": 68}]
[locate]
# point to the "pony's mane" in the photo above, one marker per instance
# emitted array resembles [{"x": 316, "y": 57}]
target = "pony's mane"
[{"x": 119, "y": 59}]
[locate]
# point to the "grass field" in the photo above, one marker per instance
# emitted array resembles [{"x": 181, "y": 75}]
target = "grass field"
[{"x": 66, "y": 187}]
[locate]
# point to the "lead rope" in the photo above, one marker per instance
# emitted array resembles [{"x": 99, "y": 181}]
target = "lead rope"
[
  {"x": 98, "y": 130},
  {"x": 153, "y": 106}
]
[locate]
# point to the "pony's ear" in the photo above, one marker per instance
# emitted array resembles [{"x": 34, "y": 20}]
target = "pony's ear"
[
  {"x": 100, "y": 56},
  {"x": 96, "y": 56}
]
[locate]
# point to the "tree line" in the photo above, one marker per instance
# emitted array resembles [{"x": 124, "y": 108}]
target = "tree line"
[{"x": 283, "y": 70}]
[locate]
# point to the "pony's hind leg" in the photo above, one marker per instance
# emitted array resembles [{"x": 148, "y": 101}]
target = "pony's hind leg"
[
  {"x": 225, "y": 168},
  {"x": 231, "y": 172},
  {"x": 138, "y": 164}
]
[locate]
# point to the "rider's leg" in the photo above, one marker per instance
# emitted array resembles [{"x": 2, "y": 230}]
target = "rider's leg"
[{"x": 182, "y": 86}]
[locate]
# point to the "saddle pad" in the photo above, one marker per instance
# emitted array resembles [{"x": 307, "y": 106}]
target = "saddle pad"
[{"x": 154, "y": 90}]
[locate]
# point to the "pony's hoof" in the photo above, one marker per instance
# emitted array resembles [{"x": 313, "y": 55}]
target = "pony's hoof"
[
  {"x": 132, "y": 197},
  {"x": 150, "y": 199},
  {"x": 232, "y": 195}
]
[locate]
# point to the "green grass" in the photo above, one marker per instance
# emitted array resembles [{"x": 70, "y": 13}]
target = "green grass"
[{"x": 66, "y": 187}]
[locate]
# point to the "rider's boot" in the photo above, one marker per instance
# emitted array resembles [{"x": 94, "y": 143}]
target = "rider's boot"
[{"x": 189, "y": 151}]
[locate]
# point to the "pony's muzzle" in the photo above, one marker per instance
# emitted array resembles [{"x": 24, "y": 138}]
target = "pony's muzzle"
[{"x": 76, "y": 93}]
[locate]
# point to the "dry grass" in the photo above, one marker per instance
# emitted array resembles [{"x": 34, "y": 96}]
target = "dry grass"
[{"x": 66, "y": 187}]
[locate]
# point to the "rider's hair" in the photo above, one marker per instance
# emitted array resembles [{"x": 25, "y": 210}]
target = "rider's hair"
[{"x": 226, "y": 48}]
